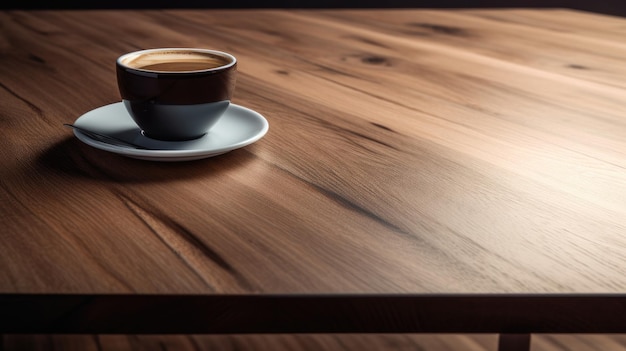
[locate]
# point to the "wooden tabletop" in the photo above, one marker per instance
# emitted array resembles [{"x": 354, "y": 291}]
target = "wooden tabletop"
[{"x": 471, "y": 162}]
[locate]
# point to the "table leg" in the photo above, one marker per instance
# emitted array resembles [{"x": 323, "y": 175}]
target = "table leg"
[{"x": 514, "y": 342}]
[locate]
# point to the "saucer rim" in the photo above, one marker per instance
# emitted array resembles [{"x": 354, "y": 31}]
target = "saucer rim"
[{"x": 185, "y": 154}]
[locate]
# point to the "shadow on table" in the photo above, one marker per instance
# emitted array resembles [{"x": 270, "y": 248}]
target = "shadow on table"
[{"x": 72, "y": 158}]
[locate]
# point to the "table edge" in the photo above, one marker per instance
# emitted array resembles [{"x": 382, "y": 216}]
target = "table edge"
[{"x": 307, "y": 313}]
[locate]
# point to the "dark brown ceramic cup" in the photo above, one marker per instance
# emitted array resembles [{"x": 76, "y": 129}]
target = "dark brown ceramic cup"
[{"x": 176, "y": 93}]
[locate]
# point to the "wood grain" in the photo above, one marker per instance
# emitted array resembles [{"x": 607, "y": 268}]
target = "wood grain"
[
  {"x": 409, "y": 152},
  {"x": 426, "y": 342},
  {"x": 250, "y": 342}
]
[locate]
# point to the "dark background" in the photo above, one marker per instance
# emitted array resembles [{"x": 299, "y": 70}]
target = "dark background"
[{"x": 612, "y": 7}]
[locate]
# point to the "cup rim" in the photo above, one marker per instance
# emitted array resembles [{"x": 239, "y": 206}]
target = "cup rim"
[{"x": 230, "y": 57}]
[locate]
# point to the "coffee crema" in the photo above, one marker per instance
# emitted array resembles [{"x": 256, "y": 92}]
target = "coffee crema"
[{"x": 175, "y": 61}]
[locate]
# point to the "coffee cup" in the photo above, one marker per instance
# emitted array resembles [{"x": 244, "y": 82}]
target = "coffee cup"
[{"x": 176, "y": 93}]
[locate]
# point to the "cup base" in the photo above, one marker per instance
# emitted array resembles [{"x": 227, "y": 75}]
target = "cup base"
[
  {"x": 143, "y": 132},
  {"x": 175, "y": 122}
]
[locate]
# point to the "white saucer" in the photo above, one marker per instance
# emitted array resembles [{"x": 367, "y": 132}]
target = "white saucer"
[{"x": 238, "y": 127}]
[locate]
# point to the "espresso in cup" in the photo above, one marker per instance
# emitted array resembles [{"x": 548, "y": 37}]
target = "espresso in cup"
[{"x": 176, "y": 93}]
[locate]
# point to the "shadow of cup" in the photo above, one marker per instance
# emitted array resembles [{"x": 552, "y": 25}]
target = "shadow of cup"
[{"x": 72, "y": 158}]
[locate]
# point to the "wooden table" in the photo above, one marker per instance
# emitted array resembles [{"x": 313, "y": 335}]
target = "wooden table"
[{"x": 424, "y": 171}]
